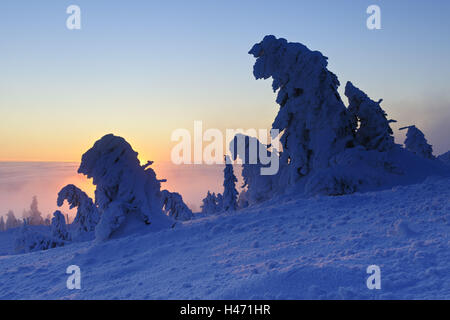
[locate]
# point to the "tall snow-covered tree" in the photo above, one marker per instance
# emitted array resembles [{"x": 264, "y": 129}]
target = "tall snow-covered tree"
[
  {"x": 87, "y": 214},
  {"x": 230, "y": 193},
  {"x": 174, "y": 206},
  {"x": 123, "y": 186},
  {"x": 58, "y": 226},
  {"x": 372, "y": 128},
  {"x": 416, "y": 143},
  {"x": 312, "y": 116},
  {"x": 2, "y": 224},
  {"x": 11, "y": 221}
]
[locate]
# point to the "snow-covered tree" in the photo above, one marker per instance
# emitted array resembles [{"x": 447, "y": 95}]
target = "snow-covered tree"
[
  {"x": 416, "y": 143},
  {"x": 230, "y": 193},
  {"x": 209, "y": 203},
  {"x": 28, "y": 240},
  {"x": 11, "y": 221},
  {"x": 123, "y": 186},
  {"x": 372, "y": 128},
  {"x": 259, "y": 187},
  {"x": 58, "y": 226},
  {"x": 33, "y": 215},
  {"x": 174, "y": 206},
  {"x": 312, "y": 116},
  {"x": 87, "y": 216},
  {"x": 2, "y": 224}
]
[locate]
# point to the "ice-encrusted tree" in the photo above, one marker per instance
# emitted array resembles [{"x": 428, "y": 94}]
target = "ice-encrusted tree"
[
  {"x": 58, "y": 226},
  {"x": 209, "y": 203},
  {"x": 372, "y": 128},
  {"x": 248, "y": 149},
  {"x": 174, "y": 206},
  {"x": 312, "y": 116},
  {"x": 87, "y": 216},
  {"x": 230, "y": 193},
  {"x": 2, "y": 224},
  {"x": 123, "y": 186},
  {"x": 417, "y": 143},
  {"x": 11, "y": 221}
]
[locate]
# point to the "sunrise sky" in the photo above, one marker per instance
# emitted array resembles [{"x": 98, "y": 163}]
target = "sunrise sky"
[{"x": 141, "y": 69}]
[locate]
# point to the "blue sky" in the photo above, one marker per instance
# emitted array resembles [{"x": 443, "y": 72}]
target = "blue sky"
[{"x": 141, "y": 69}]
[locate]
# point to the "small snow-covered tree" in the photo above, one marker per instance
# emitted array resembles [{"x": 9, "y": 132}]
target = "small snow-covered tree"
[
  {"x": 58, "y": 226},
  {"x": 28, "y": 240},
  {"x": 174, "y": 206},
  {"x": 87, "y": 216},
  {"x": 219, "y": 202},
  {"x": 312, "y": 116},
  {"x": 372, "y": 128},
  {"x": 123, "y": 186},
  {"x": 230, "y": 193},
  {"x": 33, "y": 215},
  {"x": 209, "y": 203},
  {"x": 11, "y": 221},
  {"x": 416, "y": 143},
  {"x": 2, "y": 224}
]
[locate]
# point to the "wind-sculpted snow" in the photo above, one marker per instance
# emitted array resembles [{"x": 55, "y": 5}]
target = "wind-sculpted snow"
[
  {"x": 174, "y": 206},
  {"x": 292, "y": 248},
  {"x": 312, "y": 115},
  {"x": 124, "y": 188},
  {"x": 87, "y": 216},
  {"x": 373, "y": 131}
]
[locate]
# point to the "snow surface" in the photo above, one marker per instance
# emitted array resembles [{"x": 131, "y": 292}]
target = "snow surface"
[{"x": 286, "y": 248}]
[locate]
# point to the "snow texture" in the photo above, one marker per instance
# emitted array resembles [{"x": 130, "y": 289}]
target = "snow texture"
[{"x": 291, "y": 248}]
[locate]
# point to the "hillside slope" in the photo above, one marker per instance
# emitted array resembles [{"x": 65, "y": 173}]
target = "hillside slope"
[{"x": 315, "y": 248}]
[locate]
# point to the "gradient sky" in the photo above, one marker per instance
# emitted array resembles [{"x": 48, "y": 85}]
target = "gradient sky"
[{"x": 141, "y": 69}]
